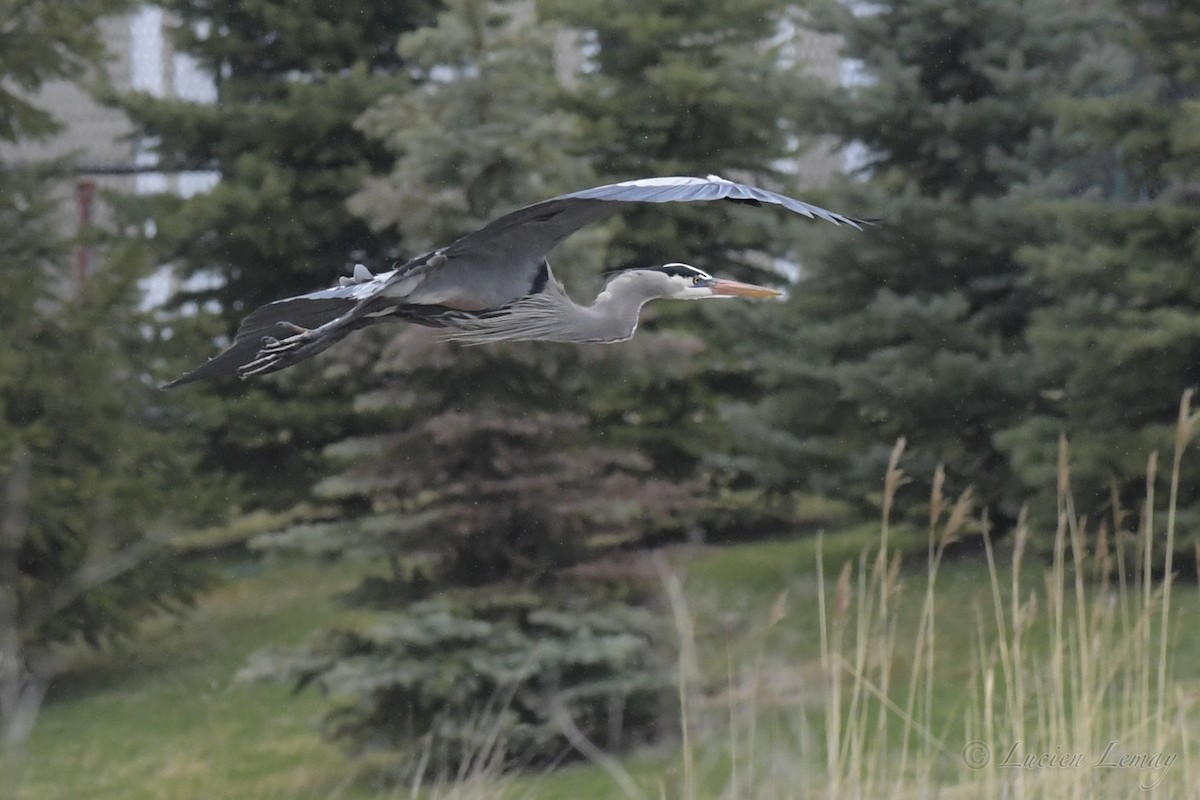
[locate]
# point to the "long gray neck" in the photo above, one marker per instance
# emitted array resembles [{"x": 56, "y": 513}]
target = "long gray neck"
[{"x": 613, "y": 316}]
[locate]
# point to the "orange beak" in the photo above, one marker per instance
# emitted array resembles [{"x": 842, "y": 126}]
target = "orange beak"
[{"x": 723, "y": 288}]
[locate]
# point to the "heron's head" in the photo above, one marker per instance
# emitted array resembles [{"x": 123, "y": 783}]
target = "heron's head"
[{"x": 684, "y": 282}]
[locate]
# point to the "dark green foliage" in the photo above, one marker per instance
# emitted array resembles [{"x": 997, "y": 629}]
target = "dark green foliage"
[
  {"x": 104, "y": 470},
  {"x": 292, "y": 78},
  {"x": 483, "y": 679},
  {"x": 690, "y": 89},
  {"x": 1119, "y": 341},
  {"x": 473, "y": 133},
  {"x": 492, "y": 470},
  {"x": 490, "y": 474},
  {"x": 88, "y": 474},
  {"x": 682, "y": 89},
  {"x": 493, "y": 467},
  {"x": 75, "y": 409},
  {"x": 671, "y": 87},
  {"x": 916, "y": 327}
]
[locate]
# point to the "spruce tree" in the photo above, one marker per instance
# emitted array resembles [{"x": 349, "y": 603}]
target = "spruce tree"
[
  {"x": 916, "y": 328},
  {"x": 43, "y": 42},
  {"x": 89, "y": 472},
  {"x": 291, "y": 79},
  {"x": 487, "y": 474},
  {"x": 1118, "y": 341},
  {"x": 671, "y": 89},
  {"x": 490, "y": 471},
  {"x": 664, "y": 88}
]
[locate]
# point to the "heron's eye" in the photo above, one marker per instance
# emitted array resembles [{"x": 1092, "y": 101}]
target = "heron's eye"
[{"x": 696, "y": 281}]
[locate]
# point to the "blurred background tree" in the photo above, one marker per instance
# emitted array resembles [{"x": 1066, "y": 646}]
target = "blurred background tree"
[
  {"x": 660, "y": 89},
  {"x": 1118, "y": 340},
  {"x": 291, "y": 79},
  {"x": 88, "y": 473},
  {"x": 504, "y": 467},
  {"x": 484, "y": 468},
  {"x": 918, "y": 329},
  {"x": 666, "y": 90}
]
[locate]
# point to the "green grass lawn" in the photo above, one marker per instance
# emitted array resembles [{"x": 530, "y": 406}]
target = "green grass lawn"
[{"x": 161, "y": 717}]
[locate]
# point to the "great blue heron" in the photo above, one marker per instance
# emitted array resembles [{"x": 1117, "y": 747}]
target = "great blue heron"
[{"x": 495, "y": 284}]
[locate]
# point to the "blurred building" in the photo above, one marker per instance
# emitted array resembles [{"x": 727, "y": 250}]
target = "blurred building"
[
  {"x": 91, "y": 134},
  {"x": 98, "y": 141},
  {"x": 819, "y": 54}
]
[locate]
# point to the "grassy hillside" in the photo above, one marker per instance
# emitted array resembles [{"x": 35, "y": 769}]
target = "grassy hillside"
[
  {"x": 162, "y": 717},
  {"x": 797, "y": 681}
]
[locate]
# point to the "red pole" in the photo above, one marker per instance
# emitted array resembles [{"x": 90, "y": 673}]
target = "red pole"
[{"x": 85, "y": 193}]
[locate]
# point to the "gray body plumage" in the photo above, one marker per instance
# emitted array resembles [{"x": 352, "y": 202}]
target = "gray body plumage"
[
  {"x": 493, "y": 284},
  {"x": 551, "y": 316}
]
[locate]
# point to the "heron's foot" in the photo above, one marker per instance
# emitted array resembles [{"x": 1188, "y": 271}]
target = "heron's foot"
[
  {"x": 299, "y": 336},
  {"x": 275, "y": 354}
]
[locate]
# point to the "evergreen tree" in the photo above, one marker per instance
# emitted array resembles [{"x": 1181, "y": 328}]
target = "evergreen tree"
[
  {"x": 291, "y": 79},
  {"x": 665, "y": 88},
  {"x": 487, "y": 471},
  {"x": 917, "y": 327},
  {"x": 87, "y": 473},
  {"x": 1119, "y": 339},
  {"x": 671, "y": 89}
]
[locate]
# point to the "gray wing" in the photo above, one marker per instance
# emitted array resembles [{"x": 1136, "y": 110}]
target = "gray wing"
[
  {"x": 306, "y": 311},
  {"x": 714, "y": 187},
  {"x": 526, "y": 235},
  {"x": 501, "y": 261}
]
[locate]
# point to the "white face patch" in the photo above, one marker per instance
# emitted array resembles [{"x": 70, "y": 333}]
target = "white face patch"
[{"x": 680, "y": 270}]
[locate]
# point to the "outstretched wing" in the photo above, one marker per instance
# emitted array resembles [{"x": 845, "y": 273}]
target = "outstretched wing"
[
  {"x": 714, "y": 187},
  {"x": 500, "y": 262},
  {"x": 526, "y": 235}
]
